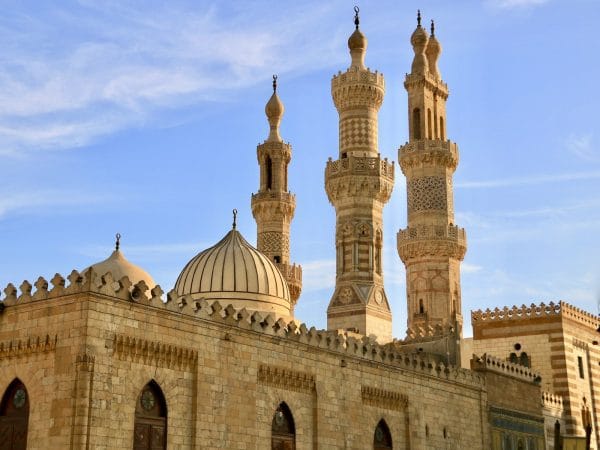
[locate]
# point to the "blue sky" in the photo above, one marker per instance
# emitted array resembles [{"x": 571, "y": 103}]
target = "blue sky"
[{"x": 143, "y": 118}]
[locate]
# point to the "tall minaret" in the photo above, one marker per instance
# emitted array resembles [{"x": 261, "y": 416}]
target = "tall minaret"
[
  {"x": 432, "y": 246},
  {"x": 358, "y": 184},
  {"x": 273, "y": 205}
]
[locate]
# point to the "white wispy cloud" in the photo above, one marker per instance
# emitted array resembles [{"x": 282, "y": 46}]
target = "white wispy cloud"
[
  {"x": 470, "y": 268},
  {"x": 319, "y": 274},
  {"x": 531, "y": 180},
  {"x": 46, "y": 200},
  {"x": 582, "y": 147},
  {"x": 67, "y": 79},
  {"x": 511, "y": 4}
]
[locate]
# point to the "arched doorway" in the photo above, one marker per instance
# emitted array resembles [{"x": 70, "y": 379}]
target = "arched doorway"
[
  {"x": 382, "y": 439},
  {"x": 283, "y": 431},
  {"x": 150, "y": 429},
  {"x": 14, "y": 417}
]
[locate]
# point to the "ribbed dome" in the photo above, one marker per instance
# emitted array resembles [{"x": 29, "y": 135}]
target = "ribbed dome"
[
  {"x": 232, "y": 271},
  {"x": 119, "y": 267}
]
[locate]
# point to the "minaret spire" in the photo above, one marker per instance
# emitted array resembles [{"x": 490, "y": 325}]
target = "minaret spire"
[
  {"x": 358, "y": 185},
  {"x": 431, "y": 246},
  {"x": 273, "y": 205}
]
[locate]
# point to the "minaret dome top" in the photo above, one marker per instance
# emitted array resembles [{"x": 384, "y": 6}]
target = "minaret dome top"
[
  {"x": 274, "y": 111},
  {"x": 357, "y": 43}
]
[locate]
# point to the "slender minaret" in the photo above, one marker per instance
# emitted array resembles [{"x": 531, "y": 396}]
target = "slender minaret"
[
  {"x": 358, "y": 184},
  {"x": 273, "y": 205},
  {"x": 432, "y": 246}
]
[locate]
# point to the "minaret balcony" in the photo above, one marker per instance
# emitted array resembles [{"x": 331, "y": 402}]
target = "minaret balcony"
[
  {"x": 357, "y": 88},
  {"x": 284, "y": 197},
  {"x": 360, "y": 165},
  {"x": 432, "y": 240},
  {"x": 427, "y": 80},
  {"x": 428, "y": 153}
]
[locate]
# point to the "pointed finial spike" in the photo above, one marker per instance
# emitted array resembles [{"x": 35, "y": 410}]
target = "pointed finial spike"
[
  {"x": 356, "y": 19},
  {"x": 274, "y": 83},
  {"x": 234, "y": 218},
  {"x": 118, "y": 241},
  {"x": 432, "y": 28},
  {"x": 418, "y": 18}
]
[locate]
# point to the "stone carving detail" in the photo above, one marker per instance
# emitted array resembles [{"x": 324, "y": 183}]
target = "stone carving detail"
[
  {"x": 383, "y": 398},
  {"x": 274, "y": 242},
  {"x": 19, "y": 347},
  {"x": 154, "y": 353},
  {"x": 427, "y": 193},
  {"x": 358, "y": 132},
  {"x": 345, "y": 295},
  {"x": 291, "y": 380}
]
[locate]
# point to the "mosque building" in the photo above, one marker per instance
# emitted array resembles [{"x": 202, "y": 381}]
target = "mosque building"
[{"x": 103, "y": 358}]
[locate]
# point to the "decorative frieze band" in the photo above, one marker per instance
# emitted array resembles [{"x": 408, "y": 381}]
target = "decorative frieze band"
[
  {"x": 154, "y": 353},
  {"x": 291, "y": 380},
  {"x": 21, "y": 347},
  {"x": 383, "y": 398}
]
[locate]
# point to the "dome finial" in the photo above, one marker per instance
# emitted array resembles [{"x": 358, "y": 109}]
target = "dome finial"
[
  {"x": 234, "y": 218},
  {"x": 432, "y": 28},
  {"x": 419, "y": 18},
  {"x": 274, "y": 83},
  {"x": 117, "y": 241},
  {"x": 356, "y": 19}
]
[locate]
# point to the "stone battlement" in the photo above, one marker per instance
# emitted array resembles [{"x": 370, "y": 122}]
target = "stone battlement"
[
  {"x": 429, "y": 80},
  {"x": 286, "y": 197},
  {"x": 501, "y": 366},
  {"x": 354, "y": 75},
  {"x": 360, "y": 165},
  {"x": 557, "y": 310},
  {"x": 339, "y": 342},
  {"x": 424, "y": 240},
  {"x": 428, "y": 152},
  {"x": 550, "y": 400}
]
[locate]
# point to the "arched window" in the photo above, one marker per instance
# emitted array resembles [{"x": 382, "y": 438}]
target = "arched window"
[
  {"x": 283, "y": 431},
  {"x": 269, "y": 168},
  {"x": 442, "y": 134},
  {"x": 382, "y": 440},
  {"x": 429, "y": 134},
  {"x": 416, "y": 119},
  {"x": 14, "y": 417},
  {"x": 421, "y": 306},
  {"x": 150, "y": 429}
]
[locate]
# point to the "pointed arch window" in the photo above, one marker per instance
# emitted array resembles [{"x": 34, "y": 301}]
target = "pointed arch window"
[
  {"x": 14, "y": 417},
  {"x": 429, "y": 134},
  {"x": 269, "y": 169},
  {"x": 416, "y": 125},
  {"x": 442, "y": 134},
  {"x": 382, "y": 439},
  {"x": 150, "y": 429},
  {"x": 283, "y": 430}
]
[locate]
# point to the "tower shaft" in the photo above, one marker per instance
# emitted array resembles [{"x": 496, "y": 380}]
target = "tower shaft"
[
  {"x": 273, "y": 205},
  {"x": 358, "y": 184},
  {"x": 431, "y": 246}
]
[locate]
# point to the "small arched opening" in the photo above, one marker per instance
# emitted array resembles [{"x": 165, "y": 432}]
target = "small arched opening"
[
  {"x": 382, "y": 439},
  {"x": 14, "y": 417},
  {"x": 283, "y": 430},
  {"x": 269, "y": 170},
  {"x": 429, "y": 132},
  {"x": 150, "y": 429},
  {"x": 416, "y": 123}
]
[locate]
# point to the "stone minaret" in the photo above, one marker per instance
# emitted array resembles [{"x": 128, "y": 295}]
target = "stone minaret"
[
  {"x": 273, "y": 205},
  {"x": 358, "y": 184},
  {"x": 432, "y": 246}
]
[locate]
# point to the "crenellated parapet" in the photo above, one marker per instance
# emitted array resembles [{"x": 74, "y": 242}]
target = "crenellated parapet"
[
  {"x": 503, "y": 367},
  {"x": 432, "y": 240},
  {"x": 422, "y": 153},
  {"x": 542, "y": 311},
  {"x": 426, "y": 81},
  {"x": 357, "y": 88},
  {"x": 551, "y": 400},
  {"x": 346, "y": 345},
  {"x": 363, "y": 177}
]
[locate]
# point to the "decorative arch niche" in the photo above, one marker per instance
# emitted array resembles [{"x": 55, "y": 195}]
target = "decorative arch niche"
[
  {"x": 283, "y": 430},
  {"x": 14, "y": 417},
  {"x": 150, "y": 429},
  {"x": 382, "y": 439}
]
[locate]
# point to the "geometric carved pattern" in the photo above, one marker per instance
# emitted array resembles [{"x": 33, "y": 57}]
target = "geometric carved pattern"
[
  {"x": 384, "y": 399},
  {"x": 274, "y": 242},
  {"x": 427, "y": 193},
  {"x": 286, "y": 379},
  {"x": 358, "y": 132}
]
